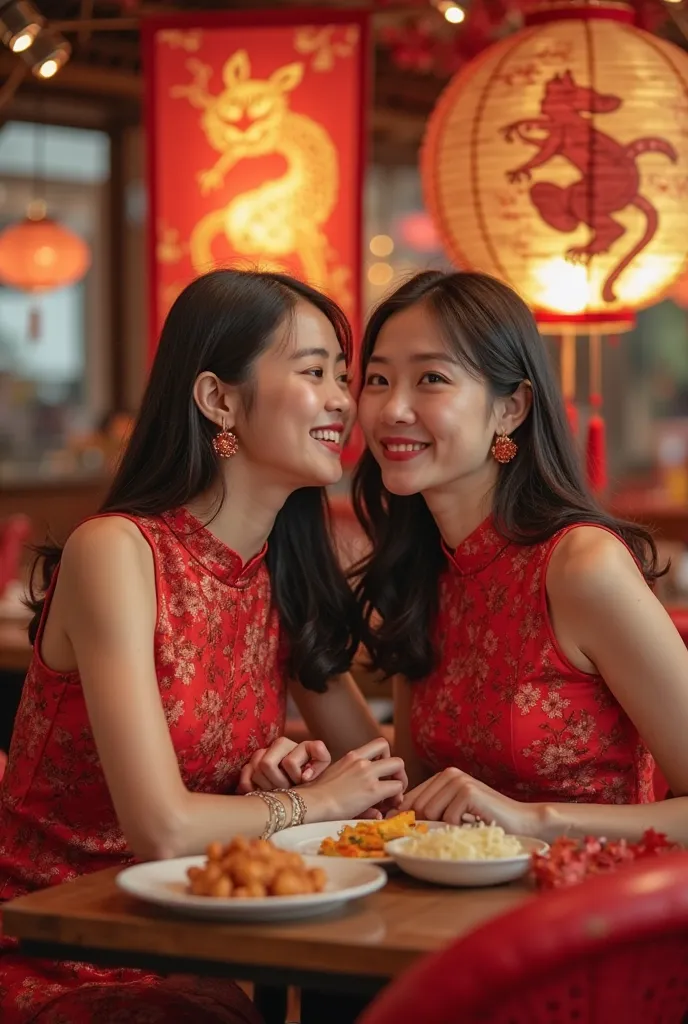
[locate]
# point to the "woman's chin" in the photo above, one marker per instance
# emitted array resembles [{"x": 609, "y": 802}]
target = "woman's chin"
[
  {"x": 326, "y": 478},
  {"x": 401, "y": 485}
]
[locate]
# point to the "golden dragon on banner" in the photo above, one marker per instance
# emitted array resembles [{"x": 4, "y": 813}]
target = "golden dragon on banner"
[{"x": 281, "y": 218}]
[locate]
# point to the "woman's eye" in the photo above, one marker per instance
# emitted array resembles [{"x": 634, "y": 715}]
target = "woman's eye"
[
  {"x": 344, "y": 379},
  {"x": 375, "y": 380},
  {"x": 316, "y": 371},
  {"x": 433, "y": 378}
]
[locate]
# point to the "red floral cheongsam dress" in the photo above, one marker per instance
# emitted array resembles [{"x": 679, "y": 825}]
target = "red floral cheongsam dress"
[
  {"x": 504, "y": 704},
  {"x": 216, "y": 654}
]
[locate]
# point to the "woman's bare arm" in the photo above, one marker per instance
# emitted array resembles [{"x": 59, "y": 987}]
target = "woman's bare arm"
[
  {"x": 340, "y": 718},
  {"x": 601, "y": 603},
  {"x": 403, "y": 746},
  {"x": 108, "y": 609}
]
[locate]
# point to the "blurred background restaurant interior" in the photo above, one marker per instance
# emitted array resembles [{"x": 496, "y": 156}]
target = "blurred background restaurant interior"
[{"x": 73, "y": 357}]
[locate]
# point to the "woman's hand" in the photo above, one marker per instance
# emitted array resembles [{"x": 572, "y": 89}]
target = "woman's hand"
[
  {"x": 359, "y": 781},
  {"x": 284, "y": 764},
  {"x": 458, "y": 798}
]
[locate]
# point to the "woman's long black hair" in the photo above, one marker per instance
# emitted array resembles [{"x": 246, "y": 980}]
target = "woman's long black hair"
[
  {"x": 221, "y": 323},
  {"x": 493, "y": 334}
]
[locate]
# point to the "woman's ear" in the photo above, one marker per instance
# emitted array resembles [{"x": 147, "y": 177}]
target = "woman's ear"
[
  {"x": 514, "y": 409},
  {"x": 216, "y": 400}
]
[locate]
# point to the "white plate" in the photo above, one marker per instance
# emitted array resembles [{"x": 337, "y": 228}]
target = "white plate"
[
  {"x": 469, "y": 873},
  {"x": 165, "y": 883},
  {"x": 306, "y": 840}
]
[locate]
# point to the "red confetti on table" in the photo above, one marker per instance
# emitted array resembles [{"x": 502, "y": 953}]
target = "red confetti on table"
[{"x": 570, "y": 861}]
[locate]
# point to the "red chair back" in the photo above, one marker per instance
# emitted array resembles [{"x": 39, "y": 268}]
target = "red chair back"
[
  {"x": 14, "y": 535},
  {"x": 613, "y": 949}
]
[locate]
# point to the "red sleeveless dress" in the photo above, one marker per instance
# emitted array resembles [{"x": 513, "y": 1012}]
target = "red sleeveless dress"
[
  {"x": 504, "y": 704},
  {"x": 221, "y": 683}
]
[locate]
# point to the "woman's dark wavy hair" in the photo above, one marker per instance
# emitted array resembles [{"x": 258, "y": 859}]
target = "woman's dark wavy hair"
[
  {"x": 222, "y": 323},
  {"x": 493, "y": 334}
]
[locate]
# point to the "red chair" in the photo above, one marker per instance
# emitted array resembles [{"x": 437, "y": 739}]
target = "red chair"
[
  {"x": 15, "y": 533},
  {"x": 613, "y": 950}
]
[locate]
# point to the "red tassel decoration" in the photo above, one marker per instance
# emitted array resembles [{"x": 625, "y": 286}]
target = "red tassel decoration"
[
  {"x": 568, "y": 377},
  {"x": 596, "y": 454},
  {"x": 572, "y": 416}
]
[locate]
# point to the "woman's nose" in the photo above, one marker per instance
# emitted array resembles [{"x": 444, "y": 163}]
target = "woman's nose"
[{"x": 397, "y": 409}]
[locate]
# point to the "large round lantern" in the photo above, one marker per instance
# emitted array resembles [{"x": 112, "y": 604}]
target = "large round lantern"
[
  {"x": 39, "y": 255},
  {"x": 558, "y": 161}
]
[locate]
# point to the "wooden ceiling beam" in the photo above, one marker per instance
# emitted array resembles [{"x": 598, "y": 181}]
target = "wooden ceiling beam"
[
  {"x": 85, "y": 78},
  {"x": 392, "y": 105},
  {"x": 397, "y": 118}
]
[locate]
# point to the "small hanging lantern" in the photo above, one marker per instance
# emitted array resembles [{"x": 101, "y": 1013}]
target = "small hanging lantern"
[{"x": 39, "y": 254}]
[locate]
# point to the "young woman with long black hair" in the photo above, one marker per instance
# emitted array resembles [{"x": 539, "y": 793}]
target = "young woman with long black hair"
[
  {"x": 537, "y": 678},
  {"x": 166, "y": 630}
]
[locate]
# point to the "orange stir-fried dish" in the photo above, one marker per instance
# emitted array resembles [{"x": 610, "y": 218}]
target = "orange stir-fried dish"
[{"x": 368, "y": 838}]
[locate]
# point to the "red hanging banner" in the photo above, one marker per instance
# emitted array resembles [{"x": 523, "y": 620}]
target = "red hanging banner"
[{"x": 255, "y": 131}]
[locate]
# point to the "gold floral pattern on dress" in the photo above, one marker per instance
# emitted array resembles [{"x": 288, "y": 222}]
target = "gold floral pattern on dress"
[
  {"x": 223, "y": 690},
  {"x": 527, "y": 697},
  {"x": 503, "y": 703},
  {"x": 554, "y": 705}
]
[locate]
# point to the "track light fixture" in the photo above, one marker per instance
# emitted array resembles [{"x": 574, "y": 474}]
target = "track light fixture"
[
  {"x": 20, "y": 24},
  {"x": 50, "y": 52}
]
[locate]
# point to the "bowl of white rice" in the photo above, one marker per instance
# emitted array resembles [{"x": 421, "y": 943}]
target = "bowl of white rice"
[{"x": 465, "y": 855}]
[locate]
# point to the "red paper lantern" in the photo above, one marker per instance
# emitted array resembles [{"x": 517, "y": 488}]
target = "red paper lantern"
[
  {"x": 41, "y": 255},
  {"x": 558, "y": 161}
]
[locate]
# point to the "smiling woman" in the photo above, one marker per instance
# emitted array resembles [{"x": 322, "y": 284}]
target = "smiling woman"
[
  {"x": 167, "y": 630},
  {"x": 537, "y": 675},
  {"x": 297, "y": 386}
]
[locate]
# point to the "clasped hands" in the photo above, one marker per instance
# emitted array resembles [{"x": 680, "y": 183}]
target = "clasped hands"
[{"x": 450, "y": 795}]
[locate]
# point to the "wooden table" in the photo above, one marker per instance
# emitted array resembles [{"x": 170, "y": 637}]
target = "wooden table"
[{"x": 355, "y": 950}]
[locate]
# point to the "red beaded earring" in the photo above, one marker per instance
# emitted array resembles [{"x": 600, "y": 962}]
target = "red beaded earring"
[
  {"x": 504, "y": 449},
  {"x": 225, "y": 443}
]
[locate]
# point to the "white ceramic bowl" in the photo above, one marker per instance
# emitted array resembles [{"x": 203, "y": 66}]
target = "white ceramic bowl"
[{"x": 468, "y": 873}]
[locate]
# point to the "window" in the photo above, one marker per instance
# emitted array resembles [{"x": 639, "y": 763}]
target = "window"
[{"x": 54, "y": 348}]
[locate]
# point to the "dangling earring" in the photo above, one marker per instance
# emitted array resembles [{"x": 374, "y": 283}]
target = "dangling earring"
[
  {"x": 225, "y": 443},
  {"x": 504, "y": 449}
]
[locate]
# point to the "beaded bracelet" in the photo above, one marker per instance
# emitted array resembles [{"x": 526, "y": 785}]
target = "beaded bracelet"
[
  {"x": 298, "y": 807},
  {"x": 277, "y": 819}
]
